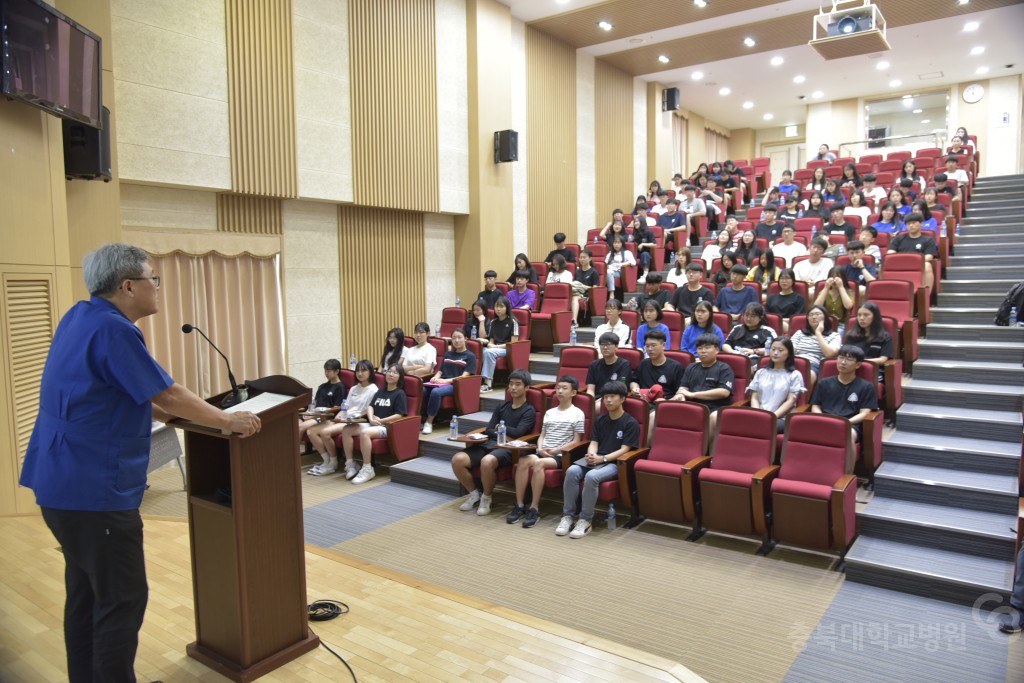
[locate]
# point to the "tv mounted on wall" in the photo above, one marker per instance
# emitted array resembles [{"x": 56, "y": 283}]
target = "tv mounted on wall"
[{"x": 50, "y": 61}]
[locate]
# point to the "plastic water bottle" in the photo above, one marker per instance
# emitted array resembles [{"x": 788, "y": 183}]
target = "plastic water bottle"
[
  {"x": 572, "y": 334},
  {"x": 352, "y": 362},
  {"x": 1013, "y": 317},
  {"x": 311, "y": 408},
  {"x": 453, "y": 430},
  {"x": 595, "y": 239},
  {"x": 473, "y": 332},
  {"x": 842, "y": 249},
  {"x": 501, "y": 433},
  {"x": 437, "y": 330},
  {"x": 458, "y": 301},
  {"x": 611, "y": 516},
  {"x": 344, "y": 409},
  {"x": 942, "y": 230}
]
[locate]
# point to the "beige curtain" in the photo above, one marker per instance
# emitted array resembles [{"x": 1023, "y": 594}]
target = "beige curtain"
[
  {"x": 679, "y": 127},
  {"x": 236, "y": 300},
  {"x": 716, "y": 146}
]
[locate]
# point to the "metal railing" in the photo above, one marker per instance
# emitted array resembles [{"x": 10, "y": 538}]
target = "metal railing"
[{"x": 936, "y": 138}]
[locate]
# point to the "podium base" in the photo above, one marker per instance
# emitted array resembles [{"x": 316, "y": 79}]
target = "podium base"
[{"x": 235, "y": 672}]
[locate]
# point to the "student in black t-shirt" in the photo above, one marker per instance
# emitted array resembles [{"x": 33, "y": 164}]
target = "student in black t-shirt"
[
  {"x": 770, "y": 228},
  {"x": 388, "y": 404},
  {"x": 652, "y": 291},
  {"x": 560, "y": 250},
  {"x": 502, "y": 330},
  {"x": 608, "y": 368},
  {"x": 585, "y": 279},
  {"x": 838, "y": 224},
  {"x": 913, "y": 241},
  {"x": 657, "y": 370},
  {"x": 490, "y": 292},
  {"x": 459, "y": 362},
  {"x": 846, "y": 394},
  {"x": 751, "y": 337},
  {"x": 519, "y": 418},
  {"x": 710, "y": 381},
  {"x": 685, "y": 298},
  {"x": 869, "y": 335},
  {"x": 786, "y": 302},
  {"x": 615, "y": 434},
  {"x": 330, "y": 394}
]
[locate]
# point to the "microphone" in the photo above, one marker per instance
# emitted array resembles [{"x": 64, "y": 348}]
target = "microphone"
[{"x": 238, "y": 393}]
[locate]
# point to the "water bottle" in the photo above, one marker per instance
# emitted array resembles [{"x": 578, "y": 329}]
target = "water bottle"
[
  {"x": 344, "y": 409},
  {"x": 814, "y": 231},
  {"x": 311, "y": 408},
  {"x": 611, "y": 516},
  {"x": 942, "y": 230},
  {"x": 572, "y": 334},
  {"x": 842, "y": 249},
  {"x": 352, "y": 362},
  {"x": 458, "y": 301},
  {"x": 437, "y": 330},
  {"x": 473, "y": 332},
  {"x": 453, "y": 430},
  {"x": 501, "y": 433},
  {"x": 595, "y": 239},
  {"x": 1013, "y": 317}
]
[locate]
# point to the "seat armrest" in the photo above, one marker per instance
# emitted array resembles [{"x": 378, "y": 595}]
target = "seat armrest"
[
  {"x": 467, "y": 393},
  {"x": 760, "y": 491},
  {"x": 517, "y": 355},
  {"x": 871, "y": 446},
  {"x": 843, "y": 507},
  {"x": 627, "y": 475},
  {"x": 404, "y": 437},
  {"x": 688, "y": 485}
]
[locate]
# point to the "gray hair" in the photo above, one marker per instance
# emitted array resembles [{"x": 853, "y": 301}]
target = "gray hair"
[{"x": 108, "y": 266}]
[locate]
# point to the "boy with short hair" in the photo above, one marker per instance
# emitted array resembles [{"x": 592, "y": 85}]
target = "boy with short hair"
[
  {"x": 857, "y": 270},
  {"x": 872, "y": 190},
  {"x": 560, "y": 250},
  {"x": 688, "y": 296},
  {"x": 817, "y": 266},
  {"x": 913, "y": 241},
  {"x": 608, "y": 368},
  {"x": 522, "y": 296},
  {"x": 490, "y": 293},
  {"x": 710, "y": 381},
  {"x": 562, "y": 431},
  {"x": 837, "y": 224},
  {"x": 868, "y": 235},
  {"x": 615, "y": 434},
  {"x": 789, "y": 249},
  {"x": 846, "y": 394},
  {"x": 734, "y": 299},
  {"x": 652, "y": 291}
]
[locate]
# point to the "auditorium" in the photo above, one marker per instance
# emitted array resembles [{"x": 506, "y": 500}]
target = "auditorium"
[{"x": 711, "y": 307}]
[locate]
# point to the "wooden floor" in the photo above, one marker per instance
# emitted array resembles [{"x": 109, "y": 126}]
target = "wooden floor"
[{"x": 399, "y": 628}]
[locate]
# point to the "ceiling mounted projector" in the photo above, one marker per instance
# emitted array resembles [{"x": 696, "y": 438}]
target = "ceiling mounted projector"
[{"x": 847, "y": 28}]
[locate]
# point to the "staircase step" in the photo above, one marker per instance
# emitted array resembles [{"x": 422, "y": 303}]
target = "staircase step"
[
  {"x": 964, "y": 315},
  {"x": 471, "y": 421},
  {"x": 936, "y": 573},
  {"x": 1004, "y": 257},
  {"x": 972, "y": 395},
  {"x": 953, "y": 452},
  {"x": 970, "y": 333},
  {"x": 431, "y": 473},
  {"x": 970, "y": 248},
  {"x": 988, "y": 534},
  {"x": 969, "y": 299},
  {"x": 996, "y": 425},
  {"x": 944, "y": 486},
  {"x": 986, "y": 272},
  {"x": 995, "y": 236},
  {"x": 986, "y": 372},
  {"x": 998, "y": 287},
  {"x": 1009, "y": 351}
]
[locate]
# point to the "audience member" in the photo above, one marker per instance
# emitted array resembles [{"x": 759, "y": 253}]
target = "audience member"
[
  {"x": 835, "y": 297},
  {"x": 419, "y": 360},
  {"x": 837, "y": 224},
  {"x": 751, "y": 337},
  {"x": 388, "y": 405},
  {"x": 560, "y": 250},
  {"x": 777, "y": 387},
  {"x": 459, "y": 362},
  {"x": 870, "y": 336},
  {"x": 786, "y": 302},
  {"x": 615, "y": 261},
  {"x": 817, "y": 341},
  {"x": 501, "y": 330},
  {"x": 523, "y": 264},
  {"x": 734, "y": 299},
  {"x": 585, "y": 279},
  {"x": 322, "y": 435},
  {"x": 653, "y": 291},
  {"x": 330, "y": 394},
  {"x": 770, "y": 228},
  {"x": 558, "y": 272},
  {"x": 789, "y": 248},
  {"x": 652, "y": 315},
  {"x": 913, "y": 241},
  {"x": 613, "y": 323},
  {"x": 701, "y": 322},
  {"x": 490, "y": 292},
  {"x": 815, "y": 267},
  {"x": 846, "y": 394},
  {"x": 690, "y": 294},
  {"x": 765, "y": 272},
  {"x": 608, "y": 368},
  {"x": 522, "y": 296}
]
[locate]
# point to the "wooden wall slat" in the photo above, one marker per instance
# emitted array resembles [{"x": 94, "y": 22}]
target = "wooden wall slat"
[
  {"x": 375, "y": 297},
  {"x": 394, "y": 104},
  {"x": 613, "y": 148},
  {"x": 261, "y": 103},
  {"x": 550, "y": 140},
  {"x": 254, "y": 215}
]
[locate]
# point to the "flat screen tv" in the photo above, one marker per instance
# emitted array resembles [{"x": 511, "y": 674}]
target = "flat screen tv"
[{"x": 50, "y": 61}]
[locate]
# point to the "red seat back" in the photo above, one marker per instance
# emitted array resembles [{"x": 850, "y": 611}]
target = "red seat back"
[
  {"x": 452, "y": 318},
  {"x": 816, "y": 449},
  {"x": 684, "y": 358},
  {"x": 745, "y": 439},
  {"x": 903, "y": 267},
  {"x": 674, "y": 321},
  {"x": 895, "y": 298},
  {"x": 557, "y": 297},
  {"x": 680, "y": 432},
  {"x": 634, "y": 356},
  {"x": 898, "y": 156},
  {"x": 575, "y": 361},
  {"x": 741, "y": 369},
  {"x": 413, "y": 387},
  {"x": 524, "y": 319}
]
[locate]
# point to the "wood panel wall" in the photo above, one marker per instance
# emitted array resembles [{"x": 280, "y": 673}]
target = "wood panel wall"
[
  {"x": 550, "y": 140},
  {"x": 261, "y": 101},
  {"x": 381, "y": 275},
  {"x": 613, "y": 153},
  {"x": 394, "y": 104},
  {"x": 244, "y": 213}
]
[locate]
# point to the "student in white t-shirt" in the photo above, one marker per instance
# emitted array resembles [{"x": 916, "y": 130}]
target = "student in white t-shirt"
[
  {"x": 562, "y": 431},
  {"x": 420, "y": 360}
]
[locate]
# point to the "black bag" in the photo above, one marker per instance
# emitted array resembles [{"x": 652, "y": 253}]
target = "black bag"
[{"x": 1015, "y": 297}]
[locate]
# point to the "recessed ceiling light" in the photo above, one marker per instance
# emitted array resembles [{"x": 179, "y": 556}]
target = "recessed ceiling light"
[
  {"x": 978, "y": 50},
  {"x": 604, "y": 25},
  {"x": 697, "y": 75},
  {"x": 749, "y": 42},
  {"x": 777, "y": 61},
  {"x": 799, "y": 79},
  {"x": 700, "y": 3},
  {"x": 895, "y": 83},
  {"x": 982, "y": 70},
  {"x": 636, "y": 41},
  {"x": 724, "y": 91},
  {"x": 971, "y": 26},
  {"x": 926, "y": 121},
  {"x": 963, "y": 2},
  {"x": 748, "y": 105},
  {"x": 664, "y": 59},
  {"x": 817, "y": 95},
  {"x": 917, "y": 111},
  {"x": 882, "y": 65},
  {"x": 768, "y": 117}
]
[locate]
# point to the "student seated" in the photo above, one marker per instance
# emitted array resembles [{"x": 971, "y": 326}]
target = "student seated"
[
  {"x": 835, "y": 296},
  {"x": 476, "y": 321},
  {"x": 394, "y": 349},
  {"x": 708, "y": 382},
  {"x": 652, "y": 291},
  {"x": 789, "y": 249},
  {"x": 817, "y": 341},
  {"x": 388, "y": 404},
  {"x": 837, "y": 225},
  {"x": 786, "y": 302},
  {"x": 358, "y": 403},
  {"x": 558, "y": 271},
  {"x": 502, "y": 329},
  {"x": 585, "y": 279},
  {"x": 685, "y": 298},
  {"x": 734, "y": 299},
  {"x": 459, "y": 362},
  {"x": 562, "y": 431},
  {"x": 765, "y": 272},
  {"x": 652, "y": 316},
  {"x": 608, "y": 368},
  {"x": 770, "y": 228},
  {"x": 750, "y": 338},
  {"x": 869, "y": 335},
  {"x": 858, "y": 270},
  {"x": 817, "y": 266},
  {"x": 560, "y": 250},
  {"x": 787, "y": 186},
  {"x": 523, "y": 264},
  {"x": 913, "y": 241},
  {"x": 613, "y": 323},
  {"x": 521, "y": 296},
  {"x": 846, "y": 394},
  {"x": 330, "y": 394},
  {"x": 615, "y": 434},
  {"x": 519, "y": 418},
  {"x": 868, "y": 236},
  {"x": 420, "y": 360},
  {"x": 702, "y": 322},
  {"x": 657, "y": 377},
  {"x": 777, "y": 386},
  {"x": 615, "y": 261},
  {"x": 490, "y": 292},
  {"x": 792, "y": 210}
]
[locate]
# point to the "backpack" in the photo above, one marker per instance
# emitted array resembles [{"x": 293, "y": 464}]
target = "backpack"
[{"x": 1015, "y": 297}]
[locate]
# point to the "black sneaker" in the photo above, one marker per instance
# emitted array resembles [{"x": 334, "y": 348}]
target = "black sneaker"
[
  {"x": 517, "y": 513},
  {"x": 532, "y": 515},
  {"x": 1013, "y": 622}
]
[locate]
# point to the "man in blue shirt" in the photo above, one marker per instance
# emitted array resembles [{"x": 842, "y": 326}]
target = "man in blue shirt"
[
  {"x": 734, "y": 298},
  {"x": 88, "y": 454}
]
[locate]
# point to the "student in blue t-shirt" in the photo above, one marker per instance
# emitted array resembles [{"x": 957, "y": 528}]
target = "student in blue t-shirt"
[
  {"x": 652, "y": 316},
  {"x": 787, "y": 185},
  {"x": 734, "y": 299}
]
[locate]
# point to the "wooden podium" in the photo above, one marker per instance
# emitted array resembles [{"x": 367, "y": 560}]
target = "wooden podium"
[{"x": 246, "y": 537}]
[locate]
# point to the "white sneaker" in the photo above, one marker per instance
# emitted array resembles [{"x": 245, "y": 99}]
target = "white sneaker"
[
  {"x": 327, "y": 469},
  {"x": 484, "y": 388},
  {"x": 351, "y": 469},
  {"x": 485, "y": 506},
  {"x": 366, "y": 473},
  {"x": 581, "y": 529},
  {"x": 315, "y": 468},
  {"x": 471, "y": 502},
  {"x": 428, "y": 428},
  {"x": 563, "y": 527}
]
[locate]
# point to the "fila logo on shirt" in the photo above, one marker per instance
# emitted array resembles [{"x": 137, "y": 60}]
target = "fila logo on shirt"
[{"x": 383, "y": 402}]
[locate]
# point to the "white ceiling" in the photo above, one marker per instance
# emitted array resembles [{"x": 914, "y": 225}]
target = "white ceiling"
[{"x": 928, "y": 55}]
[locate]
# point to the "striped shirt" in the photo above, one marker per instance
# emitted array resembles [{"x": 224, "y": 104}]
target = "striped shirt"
[{"x": 560, "y": 426}]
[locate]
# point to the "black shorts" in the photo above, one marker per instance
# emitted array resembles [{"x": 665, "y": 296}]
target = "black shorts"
[{"x": 476, "y": 455}]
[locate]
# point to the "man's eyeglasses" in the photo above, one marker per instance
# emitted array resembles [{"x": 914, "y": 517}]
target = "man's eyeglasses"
[{"x": 155, "y": 279}]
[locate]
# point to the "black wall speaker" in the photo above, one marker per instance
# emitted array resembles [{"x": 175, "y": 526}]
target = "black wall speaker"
[
  {"x": 506, "y": 146},
  {"x": 670, "y": 99},
  {"x": 87, "y": 149}
]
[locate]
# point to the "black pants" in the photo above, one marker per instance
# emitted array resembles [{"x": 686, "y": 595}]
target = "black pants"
[{"x": 105, "y": 578}]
